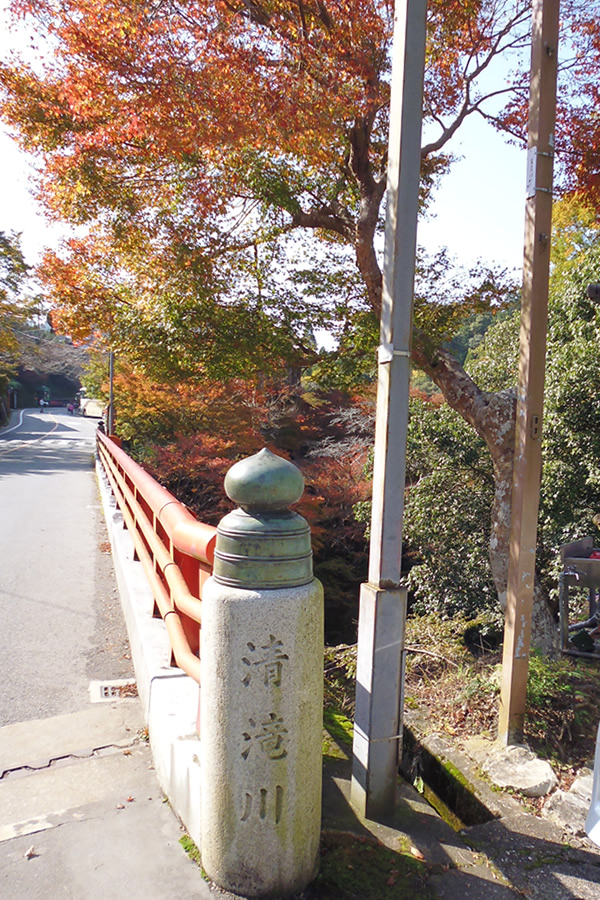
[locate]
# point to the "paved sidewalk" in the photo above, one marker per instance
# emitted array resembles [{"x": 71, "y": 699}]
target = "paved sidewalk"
[{"x": 81, "y": 813}]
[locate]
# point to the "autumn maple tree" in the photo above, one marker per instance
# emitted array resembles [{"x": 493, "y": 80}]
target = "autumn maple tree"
[{"x": 228, "y": 157}]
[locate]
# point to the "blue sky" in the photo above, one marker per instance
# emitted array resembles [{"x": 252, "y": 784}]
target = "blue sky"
[
  {"x": 479, "y": 208},
  {"x": 19, "y": 211}
]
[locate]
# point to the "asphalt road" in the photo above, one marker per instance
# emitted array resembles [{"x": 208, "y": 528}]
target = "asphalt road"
[{"x": 60, "y": 617}]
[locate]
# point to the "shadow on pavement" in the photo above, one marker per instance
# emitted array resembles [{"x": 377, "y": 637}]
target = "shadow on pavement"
[{"x": 31, "y": 448}]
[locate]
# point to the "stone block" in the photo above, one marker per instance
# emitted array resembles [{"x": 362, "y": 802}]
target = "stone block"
[{"x": 518, "y": 768}]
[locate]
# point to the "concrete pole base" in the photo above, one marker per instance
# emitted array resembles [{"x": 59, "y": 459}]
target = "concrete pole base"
[{"x": 378, "y": 719}]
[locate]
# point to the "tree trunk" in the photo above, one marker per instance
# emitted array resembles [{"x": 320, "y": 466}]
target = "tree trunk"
[{"x": 492, "y": 415}]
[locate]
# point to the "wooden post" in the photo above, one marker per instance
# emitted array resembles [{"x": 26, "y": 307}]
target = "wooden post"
[
  {"x": 530, "y": 399},
  {"x": 377, "y": 726}
]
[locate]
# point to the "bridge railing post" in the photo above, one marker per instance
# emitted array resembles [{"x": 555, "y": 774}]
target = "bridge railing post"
[{"x": 261, "y": 708}]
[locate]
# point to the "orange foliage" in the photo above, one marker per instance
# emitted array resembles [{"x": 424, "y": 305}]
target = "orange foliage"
[
  {"x": 193, "y": 468},
  {"x": 233, "y": 411},
  {"x": 151, "y": 121},
  {"x": 333, "y": 487},
  {"x": 435, "y": 399},
  {"x": 140, "y": 83}
]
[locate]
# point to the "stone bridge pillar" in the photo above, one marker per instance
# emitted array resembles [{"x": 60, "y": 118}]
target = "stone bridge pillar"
[{"x": 261, "y": 708}]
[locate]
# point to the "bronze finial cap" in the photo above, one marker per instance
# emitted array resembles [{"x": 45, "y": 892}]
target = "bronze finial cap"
[{"x": 263, "y": 544}]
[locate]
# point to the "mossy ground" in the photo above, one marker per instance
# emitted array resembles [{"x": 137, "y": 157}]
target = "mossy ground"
[
  {"x": 354, "y": 868},
  {"x": 190, "y": 848}
]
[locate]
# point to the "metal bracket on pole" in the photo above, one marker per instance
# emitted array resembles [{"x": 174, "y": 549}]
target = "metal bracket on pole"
[{"x": 386, "y": 353}]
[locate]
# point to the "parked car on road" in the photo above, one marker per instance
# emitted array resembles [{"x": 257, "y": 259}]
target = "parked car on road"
[{"x": 91, "y": 407}]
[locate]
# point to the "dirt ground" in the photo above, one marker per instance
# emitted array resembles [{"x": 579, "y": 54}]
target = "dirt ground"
[{"x": 453, "y": 676}]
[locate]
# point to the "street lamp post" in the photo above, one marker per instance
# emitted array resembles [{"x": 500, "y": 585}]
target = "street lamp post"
[{"x": 111, "y": 373}]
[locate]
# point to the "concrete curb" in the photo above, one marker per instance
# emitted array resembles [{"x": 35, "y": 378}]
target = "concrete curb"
[
  {"x": 168, "y": 696},
  {"x": 563, "y": 813},
  {"x": 460, "y": 768}
]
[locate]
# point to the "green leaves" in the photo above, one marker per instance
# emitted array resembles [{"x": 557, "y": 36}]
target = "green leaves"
[
  {"x": 447, "y": 518},
  {"x": 15, "y": 307}
]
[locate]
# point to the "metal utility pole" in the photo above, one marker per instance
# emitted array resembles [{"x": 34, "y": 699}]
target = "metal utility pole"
[
  {"x": 377, "y": 726},
  {"x": 530, "y": 399},
  {"x": 111, "y": 376}
]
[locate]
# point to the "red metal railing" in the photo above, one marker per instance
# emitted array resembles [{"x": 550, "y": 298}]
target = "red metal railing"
[{"x": 175, "y": 549}]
